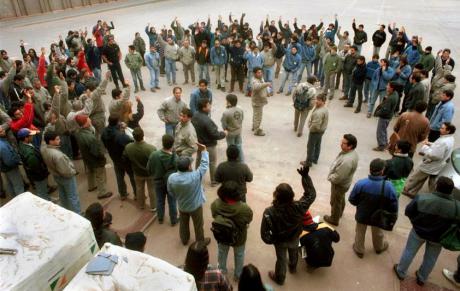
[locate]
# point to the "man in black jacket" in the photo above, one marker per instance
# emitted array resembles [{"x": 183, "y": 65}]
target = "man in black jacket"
[
  {"x": 385, "y": 112},
  {"x": 431, "y": 216},
  {"x": 115, "y": 141},
  {"x": 357, "y": 80},
  {"x": 234, "y": 170},
  {"x": 236, "y": 65},
  {"x": 207, "y": 134},
  {"x": 287, "y": 216},
  {"x": 378, "y": 39}
]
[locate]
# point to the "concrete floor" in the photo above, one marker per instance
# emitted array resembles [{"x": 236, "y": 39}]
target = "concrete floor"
[{"x": 275, "y": 157}]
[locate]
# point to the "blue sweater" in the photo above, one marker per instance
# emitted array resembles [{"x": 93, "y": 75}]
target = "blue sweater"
[
  {"x": 403, "y": 76},
  {"x": 413, "y": 55},
  {"x": 9, "y": 158},
  {"x": 153, "y": 36},
  {"x": 196, "y": 96},
  {"x": 371, "y": 67},
  {"x": 186, "y": 187},
  {"x": 254, "y": 61},
  {"x": 331, "y": 33},
  {"x": 291, "y": 62},
  {"x": 443, "y": 112},
  {"x": 218, "y": 56},
  {"x": 380, "y": 79},
  {"x": 308, "y": 53},
  {"x": 366, "y": 197}
]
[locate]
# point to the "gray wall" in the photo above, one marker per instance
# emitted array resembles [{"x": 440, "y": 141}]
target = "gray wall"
[{"x": 17, "y": 8}]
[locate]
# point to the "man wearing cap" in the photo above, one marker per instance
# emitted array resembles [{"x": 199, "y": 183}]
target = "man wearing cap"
[
  {"x": 33, "y": 163},
  {"x": 186, "y": 186},
  {"x": 93, "y": 156},
  {"x": 137, "y": 154},
  {"x": 63, "y": 171}
]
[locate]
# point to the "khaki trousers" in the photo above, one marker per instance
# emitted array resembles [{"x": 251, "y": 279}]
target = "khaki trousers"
[
  {"x": 337, "y": 201},
  {"x": 415, "y": 182},
  {"x": 378, "y": 238},
  {"x": 257, "y": 117},
  {"x": 140, "y": 191},
  {"x": 97, "y": 178},
  {"x": 300, "y": 116}
]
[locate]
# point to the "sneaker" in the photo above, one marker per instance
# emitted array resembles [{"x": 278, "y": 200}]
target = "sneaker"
[
  {"x": 379, "y": 149},
  {"x": 357, "y": 110},
  {"x": 450, "y": 276},
  {"x": 348, "y": 105},
  {"x": 329, "y": 220},
  {"x": 368, "y": 115},
  {"x": 142, "y": 88},
  {"x": 92, "y": 189},
  {"x": 157, "y": 87},
  {"x": 259, "y": 132},
  {"x": 343, "y": 98},
  {"x": 153, "y": 90}
]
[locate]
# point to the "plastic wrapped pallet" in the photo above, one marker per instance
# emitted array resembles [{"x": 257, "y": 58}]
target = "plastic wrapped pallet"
[
  {"x": 52, "y": 244},
  {"x": 134, "y": 271}
]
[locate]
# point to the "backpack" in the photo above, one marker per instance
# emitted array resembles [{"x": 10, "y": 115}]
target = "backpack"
[
  {"x": 225, "y": 230},
  {"x": 267, "y": 229},
  {"x": 303, "y": 96}
]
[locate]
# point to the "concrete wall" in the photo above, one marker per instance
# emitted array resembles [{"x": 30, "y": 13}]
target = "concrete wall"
[{"x": 18, "y": 8}]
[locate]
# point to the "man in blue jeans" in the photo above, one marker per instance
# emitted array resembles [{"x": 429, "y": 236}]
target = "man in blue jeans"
[
  {"x": 152, "y": 61},
  {"x": 431, "y": 216},
  {"x": 63, "y": 170},
  {"x": 161, "y": 164}
]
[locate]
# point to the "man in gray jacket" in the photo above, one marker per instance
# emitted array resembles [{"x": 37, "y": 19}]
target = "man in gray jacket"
[
  {"x": 170, "y": 110},
  {"x": 185, "y": 138},
  {"x": 317, "y": 126},
  {"x": 340, "y": 175},
  {"x": 232, "y": 120},
  {"x": 259, "y": 99},
  {"x": 187, "y": 58},
  {"x": 63, "y": 171}
]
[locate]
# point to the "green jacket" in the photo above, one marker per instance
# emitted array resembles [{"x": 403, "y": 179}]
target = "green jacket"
[
  {"x": 139, "y": 44},
  {"x": 239, "y": 212},
  {"x": 33, "y": 162},
  {"x": 332, "y": 63},
  {"x": 91, "y": 148},
  {"x": 427, "y": 60},
  {"x": 133, "y": 61},
  {"x": 137, "y": 154},
  {"x": 161, "y": 164}
]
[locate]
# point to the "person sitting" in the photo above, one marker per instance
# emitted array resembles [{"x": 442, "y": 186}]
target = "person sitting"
[
  {"x": 250, "y": 280},
  {"x": 317, "y": 240},
  {"x": 206, "y": 277},
  {"x": 398, "y": 168},
  {"x": 95, "y": 214},
  {"x": 135, "y": 241}
]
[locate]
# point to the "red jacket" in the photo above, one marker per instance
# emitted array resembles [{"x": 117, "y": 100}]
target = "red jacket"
[
  {"x": 81, "y": 63},
  {"x": 41, "y": 70},
  {"x": 26, "y": 120}
]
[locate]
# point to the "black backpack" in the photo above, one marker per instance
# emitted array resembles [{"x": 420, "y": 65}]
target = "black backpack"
[
  {"x": 225, "y": 230},
  {"x": 267, "y": 228}
]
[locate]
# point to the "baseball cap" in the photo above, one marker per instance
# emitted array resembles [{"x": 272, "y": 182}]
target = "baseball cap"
[{"x": 25, "y": 132}]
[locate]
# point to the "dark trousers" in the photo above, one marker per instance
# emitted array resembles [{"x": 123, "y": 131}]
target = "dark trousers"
[
  {"x": 430, "y": 109},
  {"x": 382, "y": 137},
  {"x": 399, "y": 89},
  {"x": 120, "y": 172},
  {"x": 237, "y": 74},
  {"x": 162, "y": 194},
  {"x": 314, "y": 146},
  {"x": 162, "y": 65},
  {"x": 117, "y": 74},
  {"x": 75, "y": 148},
  {"x": 352, "y": 94},
  {"x": 434, "y": 135},
  {"x": 283, "y": 249},
  {"x": 184, "y": 225}
]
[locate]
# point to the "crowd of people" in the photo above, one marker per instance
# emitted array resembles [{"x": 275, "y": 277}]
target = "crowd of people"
[{"x": 53, "y": 112}]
